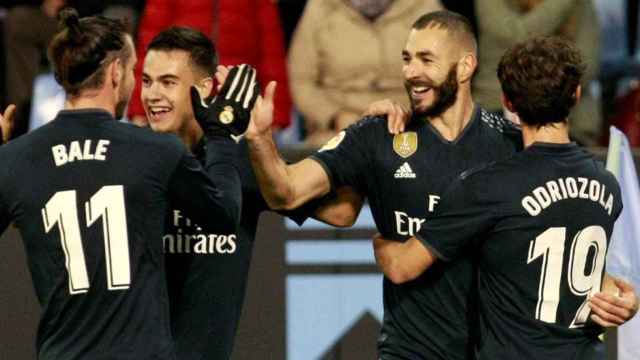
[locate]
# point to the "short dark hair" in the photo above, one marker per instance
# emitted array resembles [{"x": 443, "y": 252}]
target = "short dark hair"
[
  {"x": 202, "y": 51},
  {"x": 457, "y": 25},
  {"x": 82, "y": 48},
  {"x": 540, "y": 77}
]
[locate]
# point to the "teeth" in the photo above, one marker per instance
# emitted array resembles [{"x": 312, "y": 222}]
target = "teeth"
[
  {"x": 155, "y": 111},
  {"x": 420, "y": 88}
]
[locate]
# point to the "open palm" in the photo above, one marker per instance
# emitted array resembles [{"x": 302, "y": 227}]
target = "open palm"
[{"x": 262, "y": 114}]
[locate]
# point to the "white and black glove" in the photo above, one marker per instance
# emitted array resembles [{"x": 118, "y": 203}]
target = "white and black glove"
[{"x": 230, "y": 110}]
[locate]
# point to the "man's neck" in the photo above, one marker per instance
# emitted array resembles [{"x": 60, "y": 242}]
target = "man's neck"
[
  {"x": 91, "y": 99},
  {"x": 556, "y": 133},
  {"x": 452, "y": 122},
  {"x": 191, "y": 134}
]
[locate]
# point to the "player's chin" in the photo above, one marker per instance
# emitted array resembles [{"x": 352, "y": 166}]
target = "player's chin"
[
  {"x": 161, "y": 126},
  {"x": 421, "y": 108}
]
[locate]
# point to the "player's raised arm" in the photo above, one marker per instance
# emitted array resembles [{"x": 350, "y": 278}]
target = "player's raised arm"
[
  {"x": 283, "y": 186},
  {"x": 341, "y": 210},
  {"x": 213, "y": 202}
]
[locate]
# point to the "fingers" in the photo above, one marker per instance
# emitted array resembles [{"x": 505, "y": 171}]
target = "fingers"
[
  {"x": 8, "y": 113},
  {"x": 245, "y": 77},
  {"x": 624, "y": 306},
  {"x": 252, "y": 91},
  {"x": 609, "y": 308},
  {"x": 231, "y": 82},
  {"x": 198, "y": 105},
  {"x": 623, "y": 285},
  {"x": 600, "y": 321},
  {"x": 196, "y": 101},
  {"x": 222, "y": 72},
  {"x": 269, "y": 92},
  {"x": 398, "y": 119},
  {"x": 397, "y": 116},
  {"x": 262, "y": 113},
  {"x": 7, "y": 122}
]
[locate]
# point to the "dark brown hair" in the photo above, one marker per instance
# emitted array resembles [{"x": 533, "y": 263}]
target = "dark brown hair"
[
  {"x": 82, "y": 48},
  {"x": 202, "y": 52},
  {"x": 457, "y": 25},
  {"x": 540, "y": 77}
]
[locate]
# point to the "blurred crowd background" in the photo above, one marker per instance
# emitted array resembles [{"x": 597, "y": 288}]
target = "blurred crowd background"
[{"x": 333, "y": 57}]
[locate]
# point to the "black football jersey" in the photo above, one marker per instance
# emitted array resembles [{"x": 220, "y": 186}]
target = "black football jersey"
[
  {"x": 207, "y": 272},
  {"x": 89, "y": 196},
  {"x": 403, "y": 177},
  {"x": 540, "y": 224}
]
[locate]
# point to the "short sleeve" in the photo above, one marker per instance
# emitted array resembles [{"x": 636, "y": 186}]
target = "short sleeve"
[
  {"x": 463, "y": 215},
  {"x": 346, "y": 157}
]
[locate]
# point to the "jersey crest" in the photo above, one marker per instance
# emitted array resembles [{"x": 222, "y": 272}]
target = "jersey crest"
[{"x": 405, "y": 144}]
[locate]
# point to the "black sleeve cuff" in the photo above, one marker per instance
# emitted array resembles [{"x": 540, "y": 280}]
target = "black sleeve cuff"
[{"x": 431, "y": 248}]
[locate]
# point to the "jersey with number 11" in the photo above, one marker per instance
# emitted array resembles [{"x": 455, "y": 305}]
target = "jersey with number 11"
[{"x": 89, "y": 196}]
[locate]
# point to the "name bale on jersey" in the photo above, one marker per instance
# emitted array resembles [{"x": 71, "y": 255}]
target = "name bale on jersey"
[
  {"x": 89, "y": 150},
  {"x": 567, "y": 188},
  {"x": 190, "y": 239}
]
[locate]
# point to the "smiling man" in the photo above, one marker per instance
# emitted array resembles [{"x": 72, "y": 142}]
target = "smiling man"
[
  {"x": 207, "y": 272},
  {"x": 540, "y": 223},
  {"x": 404, "y": 175},
  {"x": 177, "y": 59}
]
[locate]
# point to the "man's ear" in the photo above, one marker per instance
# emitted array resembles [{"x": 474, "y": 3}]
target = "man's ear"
[
  {"x": 508, "y": 104},
  {"x": 116, "y": 71},
  {"x": 578, "y": 93},
  {"x": 466, "y": 67},
  {"x": 204, "y": 86}
]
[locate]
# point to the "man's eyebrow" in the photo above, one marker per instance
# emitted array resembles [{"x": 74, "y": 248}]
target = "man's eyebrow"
[
  {"x": 163, "y": 76},
  {"x": 425, "y": 53}
]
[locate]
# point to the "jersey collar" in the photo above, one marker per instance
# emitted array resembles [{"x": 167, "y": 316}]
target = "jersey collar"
[
  {"x": 474, "y": 119},
  {"x": 85, "y": 115},
  {"x": 552, "y": 148}
]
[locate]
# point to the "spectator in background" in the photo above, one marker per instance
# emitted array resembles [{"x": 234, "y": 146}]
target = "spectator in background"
[
  {"x": 244, "y": 31},
  {"x": 27, "y": 32},
  {"x": 345, "y": 54},
  {"x": 503, "y": 23}
]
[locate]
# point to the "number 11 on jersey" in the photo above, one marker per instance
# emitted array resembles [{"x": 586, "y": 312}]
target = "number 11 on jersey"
[{"x": 108, "y": 204}]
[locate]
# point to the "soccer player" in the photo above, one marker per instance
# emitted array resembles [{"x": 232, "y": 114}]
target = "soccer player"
[
  {"x": 404, "y": 175},
  {"x": 207, "y": 272},
  {"x": 539, "y": 222},
  {"x": 89, "y": 195}
]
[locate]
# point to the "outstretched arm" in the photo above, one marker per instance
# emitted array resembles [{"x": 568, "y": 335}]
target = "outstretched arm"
[
  {"x": 283, "y": 186},
  {"x": 341, "y": 211},
  {"x": 402, "y": 261}
]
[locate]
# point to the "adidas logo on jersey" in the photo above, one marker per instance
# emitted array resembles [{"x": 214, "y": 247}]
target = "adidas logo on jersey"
[{"x": 405, "y": 172}]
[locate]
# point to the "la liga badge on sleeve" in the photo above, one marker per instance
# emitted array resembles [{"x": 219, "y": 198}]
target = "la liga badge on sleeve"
[{"x": 334, "y": 142}]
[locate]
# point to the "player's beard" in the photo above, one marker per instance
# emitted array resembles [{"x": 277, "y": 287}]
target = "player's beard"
[
  {"x": 445, "y": 95},
  {"x": 124, "y": 95}
]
